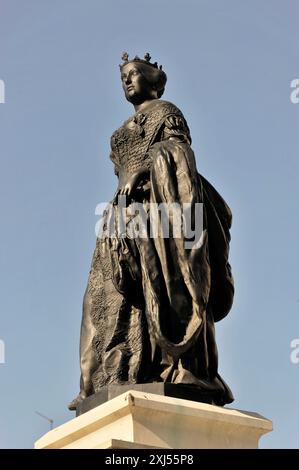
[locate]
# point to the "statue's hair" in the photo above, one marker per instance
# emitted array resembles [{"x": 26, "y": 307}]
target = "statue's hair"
[{"x": 155, "y": 77}]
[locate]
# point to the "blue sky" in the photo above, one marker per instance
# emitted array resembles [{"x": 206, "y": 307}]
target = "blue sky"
[{"x": 229, "y": 67}]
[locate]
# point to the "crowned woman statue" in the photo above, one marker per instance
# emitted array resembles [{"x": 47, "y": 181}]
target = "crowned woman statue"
[{"x": 151, "y": 301}]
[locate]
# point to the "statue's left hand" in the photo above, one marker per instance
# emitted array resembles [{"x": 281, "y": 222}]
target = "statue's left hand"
[
  {"x": 127, "y": 189},
  {"x": 130, "y": 185}
]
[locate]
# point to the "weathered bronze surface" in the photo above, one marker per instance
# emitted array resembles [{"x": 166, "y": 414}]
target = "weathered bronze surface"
[{"x": 150, "y": 303}]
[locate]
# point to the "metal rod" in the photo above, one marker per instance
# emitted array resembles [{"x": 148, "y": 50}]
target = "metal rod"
[{"x": 46, "y": 417}]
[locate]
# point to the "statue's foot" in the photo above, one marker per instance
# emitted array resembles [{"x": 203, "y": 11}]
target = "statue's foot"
[{"x": 76, "y": 401}]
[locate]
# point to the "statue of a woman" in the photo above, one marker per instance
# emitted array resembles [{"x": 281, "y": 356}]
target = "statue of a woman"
[{"x": 151, "y": 301}]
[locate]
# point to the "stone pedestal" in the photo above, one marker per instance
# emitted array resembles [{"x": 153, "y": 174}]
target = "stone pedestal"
[
  {"x": 186, "y": 392},
  {"x": 139, "y": 420}
]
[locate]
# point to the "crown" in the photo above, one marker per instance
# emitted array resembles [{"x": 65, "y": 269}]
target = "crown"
[{"x": 145, "y": 60}]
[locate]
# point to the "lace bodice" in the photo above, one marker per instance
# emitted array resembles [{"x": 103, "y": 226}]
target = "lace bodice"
[{"x": 131, "y": 142}]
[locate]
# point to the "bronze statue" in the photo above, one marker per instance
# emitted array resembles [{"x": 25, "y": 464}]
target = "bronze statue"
[{"x": 151, "y": 303}]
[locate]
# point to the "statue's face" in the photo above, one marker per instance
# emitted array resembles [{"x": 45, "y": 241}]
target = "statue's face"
[{"x": 136, "y": 87}]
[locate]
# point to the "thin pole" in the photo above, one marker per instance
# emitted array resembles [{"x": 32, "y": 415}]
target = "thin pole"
[{"x": 46, "y": 417}]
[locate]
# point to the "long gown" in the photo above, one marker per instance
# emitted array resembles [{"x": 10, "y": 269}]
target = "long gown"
[{"x": 150, "y": 303}]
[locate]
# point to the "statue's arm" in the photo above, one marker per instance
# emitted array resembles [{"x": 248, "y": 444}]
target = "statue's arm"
[{"x": 175, "y": 127}]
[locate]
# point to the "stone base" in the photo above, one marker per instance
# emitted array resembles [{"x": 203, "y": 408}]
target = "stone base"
[
  {"x": 139, "y": 420},
  {"x": 186, "y": 392}
]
